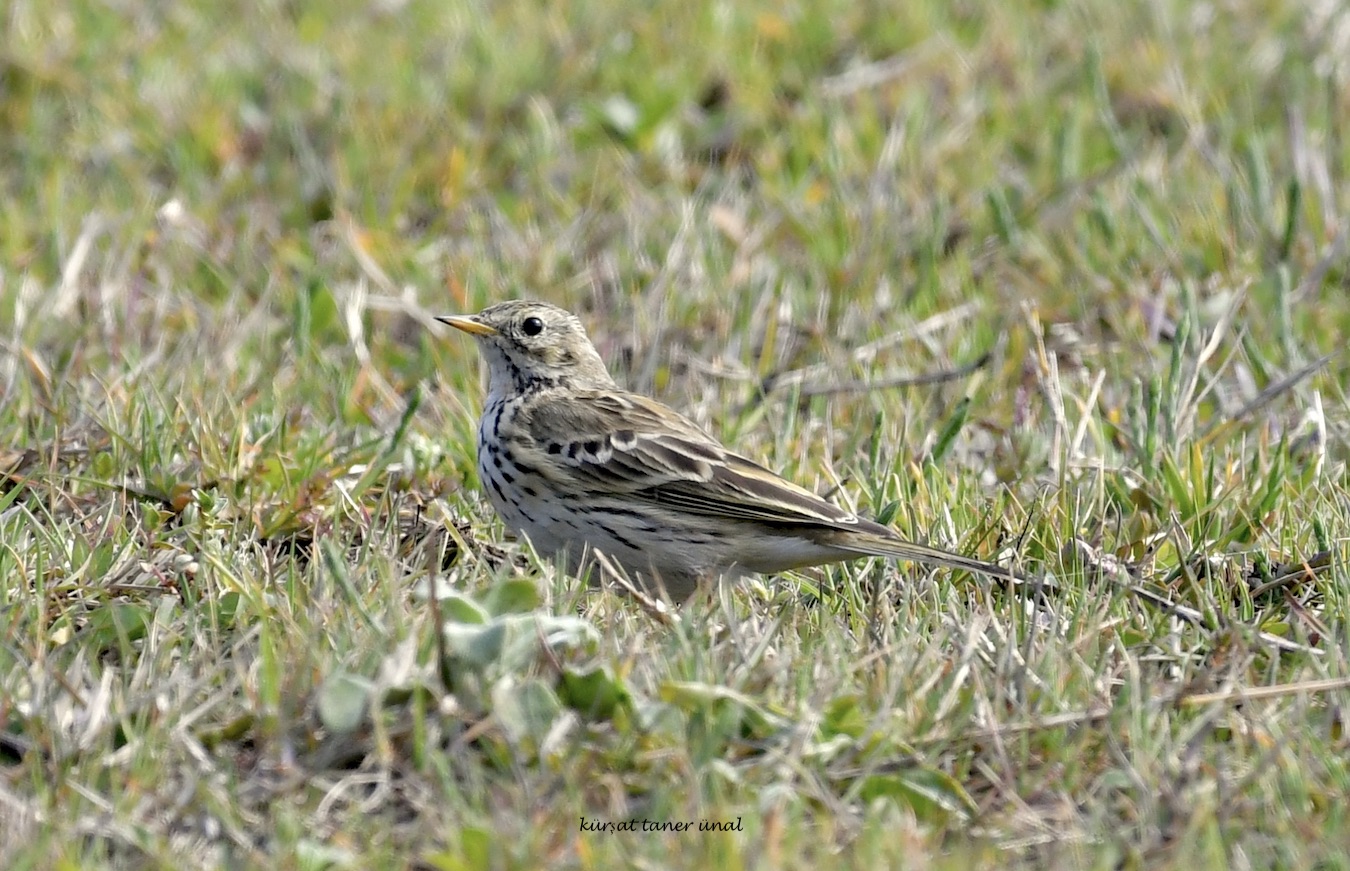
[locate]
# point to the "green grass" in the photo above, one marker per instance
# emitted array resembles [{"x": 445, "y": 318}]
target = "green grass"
[{"x": 236, "y": 456}]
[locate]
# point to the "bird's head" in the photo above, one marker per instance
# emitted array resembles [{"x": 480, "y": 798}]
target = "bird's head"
[{"x": 529, "y": 345}]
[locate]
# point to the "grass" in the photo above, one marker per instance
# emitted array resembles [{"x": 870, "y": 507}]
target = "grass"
[{"x": 1096, "y": 251}]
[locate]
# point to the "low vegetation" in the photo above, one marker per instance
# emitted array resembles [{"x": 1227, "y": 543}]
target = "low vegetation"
[{"x": 1060, "y": 285}]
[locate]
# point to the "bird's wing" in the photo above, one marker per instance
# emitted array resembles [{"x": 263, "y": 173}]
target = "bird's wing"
[{"x": 628, "y": 444}]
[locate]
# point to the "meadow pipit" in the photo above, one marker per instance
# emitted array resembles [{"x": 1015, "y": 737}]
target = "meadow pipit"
[{"x": 577, "y": 464}]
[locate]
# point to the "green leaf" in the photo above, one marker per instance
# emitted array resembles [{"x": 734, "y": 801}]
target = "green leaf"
[
  {"x": 931, "y": 794},
  {"x": 722, "y": 703},
  {"x": 455, "y": 605},
  {"x": 525, "y": 710},
  {"x": 463, "y": 609},
  {"x": 888, "y": 511},
  {"x": 225, "y": 610},
  {"x": 951, "y": 428},
  {"x": 525, "y": 631},
  {"x": 477, "y": 844},
  {"x": 594, "y": 692},
  {"x": 114, "y": 625},
  {"x": 514, "y": 596},
  {"x": 1177, "y": 488},
  {"x": 478, "y": 848},
  {"x": 512, "y": 642},
  {"x": 343, "y": 701},
  {"x": 473, "y": 644},
  {"x": 845, "y": 717}
]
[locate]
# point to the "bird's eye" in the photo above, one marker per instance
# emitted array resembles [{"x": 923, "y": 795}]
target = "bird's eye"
[{"x": 532, "y": 326}]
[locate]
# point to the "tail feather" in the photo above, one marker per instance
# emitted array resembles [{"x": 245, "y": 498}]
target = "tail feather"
[
  {"x": 867, "y": 544},
  {"x": 870, "y": 544}
]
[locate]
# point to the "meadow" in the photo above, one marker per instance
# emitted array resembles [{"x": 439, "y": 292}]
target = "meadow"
[{"x": 1061, "y": 285}]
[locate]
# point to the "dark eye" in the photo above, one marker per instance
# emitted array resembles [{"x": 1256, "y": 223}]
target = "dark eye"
[{"x": 532, "y": 326}]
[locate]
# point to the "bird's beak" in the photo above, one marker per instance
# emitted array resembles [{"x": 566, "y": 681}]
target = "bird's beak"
[{"x": 469, "y": 324}]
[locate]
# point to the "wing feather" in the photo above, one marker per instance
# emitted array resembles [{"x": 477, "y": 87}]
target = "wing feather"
[{"x": 635, "y": 446}]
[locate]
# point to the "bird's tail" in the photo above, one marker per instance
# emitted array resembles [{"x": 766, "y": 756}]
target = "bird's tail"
[
  {"x": 867, "y": 544},
  {"x": 871, "y": 544}
]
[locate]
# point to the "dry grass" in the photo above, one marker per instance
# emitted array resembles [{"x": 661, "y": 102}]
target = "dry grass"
[{"x": 1057, "y": 285}]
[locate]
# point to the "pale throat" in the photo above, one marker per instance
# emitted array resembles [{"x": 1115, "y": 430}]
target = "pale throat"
[{"x": 507, "y": 377}]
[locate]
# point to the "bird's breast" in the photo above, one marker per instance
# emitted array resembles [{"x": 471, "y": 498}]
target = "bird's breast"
[{"x": 514, "y": 483}]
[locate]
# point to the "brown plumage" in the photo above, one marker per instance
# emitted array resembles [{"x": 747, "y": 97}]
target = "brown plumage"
[{"x": 575, "y": 463}]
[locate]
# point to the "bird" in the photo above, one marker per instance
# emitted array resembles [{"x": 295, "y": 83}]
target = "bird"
[{"x": 578, "y": 465}]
